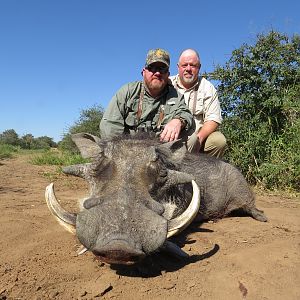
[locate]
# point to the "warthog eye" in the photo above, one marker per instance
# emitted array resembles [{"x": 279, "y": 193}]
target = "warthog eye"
[
  {"x": 156, "y": 172},
  {"x": 101, "y": 167},
  {"x": 152, "y": 169}
]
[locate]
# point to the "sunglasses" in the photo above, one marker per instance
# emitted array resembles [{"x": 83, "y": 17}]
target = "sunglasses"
[{"x": 160, "y": 69}]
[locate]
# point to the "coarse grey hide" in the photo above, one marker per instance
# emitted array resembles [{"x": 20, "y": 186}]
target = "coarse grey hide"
[{"x": 143, "y": 191}]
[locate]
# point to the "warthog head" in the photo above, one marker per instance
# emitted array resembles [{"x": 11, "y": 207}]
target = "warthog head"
[{"x": 134, "y": 204}]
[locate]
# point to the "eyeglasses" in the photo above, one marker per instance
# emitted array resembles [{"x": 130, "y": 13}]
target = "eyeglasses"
[{"x": 160, "y": 69}]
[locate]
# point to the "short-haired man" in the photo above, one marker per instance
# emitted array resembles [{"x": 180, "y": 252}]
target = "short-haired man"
[
  {"x": 202, "y": 99},
  {"x": 152, "y": 104}
]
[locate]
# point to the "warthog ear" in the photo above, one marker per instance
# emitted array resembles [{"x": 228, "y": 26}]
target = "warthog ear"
[{"x": 87, "y": 144}]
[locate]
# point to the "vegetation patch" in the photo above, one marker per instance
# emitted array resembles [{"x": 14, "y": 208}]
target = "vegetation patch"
[
  {"x": 259, "y": 91},
  {"x": 7, "y": 151},
  {"x": 57, "y": 158}
]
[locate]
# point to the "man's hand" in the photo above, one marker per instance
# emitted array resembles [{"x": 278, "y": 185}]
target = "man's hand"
[{"x": 171, "y": 131}]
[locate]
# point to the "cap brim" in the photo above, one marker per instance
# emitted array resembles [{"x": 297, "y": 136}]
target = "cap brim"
[{"x": 157, "y": 60}]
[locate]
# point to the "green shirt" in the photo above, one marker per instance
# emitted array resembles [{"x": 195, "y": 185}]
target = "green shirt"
[{"x": 121, "y": 114}]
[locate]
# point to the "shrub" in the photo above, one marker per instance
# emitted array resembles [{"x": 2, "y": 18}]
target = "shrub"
[
  {"x": 259, "y": 90},
  {"x": 88, "y": 122},
  {"x": 6, "y": 151}
]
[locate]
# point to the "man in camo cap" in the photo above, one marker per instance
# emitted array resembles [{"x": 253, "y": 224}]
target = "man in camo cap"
[
  {"x": 158, "y": 55},
  {"x": 152, "y": 104}
]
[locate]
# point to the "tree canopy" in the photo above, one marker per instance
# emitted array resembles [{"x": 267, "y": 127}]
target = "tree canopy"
[
  {"x": 88, "y": 122},
  {"x": 27, "y": 141},
  {"x": 259, "y": 89}
]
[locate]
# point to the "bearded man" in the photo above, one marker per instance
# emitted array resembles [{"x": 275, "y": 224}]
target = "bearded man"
[{"x": 152, "y": 104}]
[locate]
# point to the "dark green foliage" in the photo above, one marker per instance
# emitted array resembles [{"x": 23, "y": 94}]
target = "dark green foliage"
[
  {"x": 6, "y": 150},
  {"x": 27, "y": 141},
  {"x": 88, "y": 122},
  {"x": 259, "y": 89},
  {"x": 9, "y": 137}
]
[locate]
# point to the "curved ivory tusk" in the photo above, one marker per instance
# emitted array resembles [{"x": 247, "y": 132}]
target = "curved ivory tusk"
[
  {"x": 65, "y": 218},
  {"x": 181, "y": 222}
]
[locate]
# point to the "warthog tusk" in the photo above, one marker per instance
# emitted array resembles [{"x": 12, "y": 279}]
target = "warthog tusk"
[
  {"x": 81, "y": 250},
  {"x": 179, "y": 223},
  {"x": 65, "y": 218},
  {"x": 174, "y": 249}
]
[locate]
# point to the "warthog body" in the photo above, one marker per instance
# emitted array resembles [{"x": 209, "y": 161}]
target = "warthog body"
[{"x": 141, "y": 193}]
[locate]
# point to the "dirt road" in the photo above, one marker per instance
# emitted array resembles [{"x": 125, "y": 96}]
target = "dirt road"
[{"x": 234, "y": 258}]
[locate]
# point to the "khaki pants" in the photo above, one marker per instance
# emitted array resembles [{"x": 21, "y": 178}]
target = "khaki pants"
[{"x": 214, "y": 145}]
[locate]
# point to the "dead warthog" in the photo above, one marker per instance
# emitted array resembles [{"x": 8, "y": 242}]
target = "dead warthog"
[{"x": 142, "y": 192}]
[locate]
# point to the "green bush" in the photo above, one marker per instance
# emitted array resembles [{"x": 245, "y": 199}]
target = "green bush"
[
  {"x": 88, "y": 122},
  {"x": 6, "y": 151},
  {"x": 259, "y": 90},
  {"x": 9, "y": 137}
]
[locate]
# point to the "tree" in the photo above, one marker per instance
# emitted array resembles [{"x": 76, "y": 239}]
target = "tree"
[
  {"x": 259, "y": 91},
  {"x": 43, "y": 142},
  {"x": 26, "y": 141},
  {"x": 88, "y": 122},
  {"x": 9, "y": 137}
]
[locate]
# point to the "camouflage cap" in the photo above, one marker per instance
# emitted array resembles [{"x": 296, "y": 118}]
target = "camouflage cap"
[{"x": 157, "y": 55}]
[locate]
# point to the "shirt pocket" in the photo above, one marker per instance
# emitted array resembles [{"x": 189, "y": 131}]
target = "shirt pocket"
[
  {"x": 131, "y": 112},
  {"x": 170, "y": 108},
  {"x": 199, "y": 104}
]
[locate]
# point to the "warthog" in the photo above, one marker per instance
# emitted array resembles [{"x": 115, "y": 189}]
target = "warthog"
[{"x": 142, "y": 192}]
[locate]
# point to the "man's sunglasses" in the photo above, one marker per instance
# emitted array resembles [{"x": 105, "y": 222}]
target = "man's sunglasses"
[{"x": 160, "y": 69}]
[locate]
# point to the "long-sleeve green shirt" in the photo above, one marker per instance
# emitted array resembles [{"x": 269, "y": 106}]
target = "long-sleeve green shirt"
[{"x": 121, "y": 114}]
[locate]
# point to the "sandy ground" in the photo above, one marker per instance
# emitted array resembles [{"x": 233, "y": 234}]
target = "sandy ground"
[{"x": 234, "y": 258}]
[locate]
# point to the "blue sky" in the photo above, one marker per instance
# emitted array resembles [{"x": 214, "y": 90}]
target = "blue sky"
[{"x": 58, "y": 57}]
